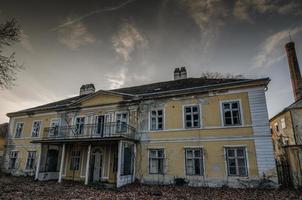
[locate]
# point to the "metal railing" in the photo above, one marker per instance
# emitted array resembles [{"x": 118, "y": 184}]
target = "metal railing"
[{"x": 102, "y": 130}]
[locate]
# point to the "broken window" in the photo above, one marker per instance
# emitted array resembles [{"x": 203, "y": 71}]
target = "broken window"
[
  {"x": 36, "y": 129},
  {"x": 19, "y": 129},
  {"x": 121, "y": 122},
  {"x": 236, "y": 161},
  {"x": 30, "y": 160},
  {"x": 194, "y": 161},
  {"x": 231, "y": 113},
  {"x": 75, "y": 160},
  {"x": 156, "y": 120},
  {"x": 156, "y": 161},
  {"x": 192, "y": 118},
  {"x": 283, "y": 124},
  {"x": 80, "y": 122},
  {"x": 13, "y": 159},
  {"x": 54, "y": 127}
]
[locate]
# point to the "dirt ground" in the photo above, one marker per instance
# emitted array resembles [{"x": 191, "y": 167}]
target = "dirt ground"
[{"x": 27, "y": 188}]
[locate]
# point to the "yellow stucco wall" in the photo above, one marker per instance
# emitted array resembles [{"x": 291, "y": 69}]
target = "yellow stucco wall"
[
  {"x": 102, "y": 99},
  {"x": 211, "y": 126},
  {"x": 210, "y": 109},
  {"x": 214, "y": 158}
]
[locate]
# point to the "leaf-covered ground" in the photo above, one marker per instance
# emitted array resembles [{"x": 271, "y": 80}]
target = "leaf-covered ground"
[{"x": 26, "y": 188}]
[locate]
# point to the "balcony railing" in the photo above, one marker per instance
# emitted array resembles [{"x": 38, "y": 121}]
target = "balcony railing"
[{"x": 85, "y": 131}]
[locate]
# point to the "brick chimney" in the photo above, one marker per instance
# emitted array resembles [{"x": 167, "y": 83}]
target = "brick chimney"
[
  {"x": 176, "y": 73},
  {"x": 180, "y": 73},
  {"x": 294, "y": 70},
  {"x": 87, "y": 89}
]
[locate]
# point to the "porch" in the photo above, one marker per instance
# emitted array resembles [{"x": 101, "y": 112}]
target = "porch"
[{"x": 111, "y": 162}]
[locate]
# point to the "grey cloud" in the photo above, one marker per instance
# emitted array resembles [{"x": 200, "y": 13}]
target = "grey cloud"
[{"x": 75, "y": 35}]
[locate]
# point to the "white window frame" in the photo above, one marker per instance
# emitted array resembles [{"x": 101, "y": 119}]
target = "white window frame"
[
  {"x": 117, "y": 125},
  {"x": 222, "y": 113},
  {"x": 32, "y": 128},
  {"x": 163, "y": 158},
  {"x": 75, "y": 125},
  {"x": 16, "y": 128},
  {"x": 50, "y": 125},
  {"x": 202, "y": 158},
  {"x": 16, "y": 154},
  {"x": 283, "y": 124},
  {"x": 75, "y": 160},
  {"x": 156, "y": 118},
  {"x": 31, "y": 159},
  {"x": 184, "y": 117},
  {"x": 226, "y": 147}
]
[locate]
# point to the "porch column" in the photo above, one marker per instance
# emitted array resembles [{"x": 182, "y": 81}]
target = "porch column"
[
  {"x": 38, "y": 162},
  {"x": 87, "y": 164},
  {"x": 62, "y": 164},
  {"x": 119, "y": 163},
  {"x": 134, "y": 161}
]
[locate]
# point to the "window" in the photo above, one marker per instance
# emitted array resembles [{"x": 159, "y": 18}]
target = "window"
[
  {"x": 13, "y": 159},
  {"x": 36, "y": 129},
  {"x": 128, "y": 154},
  {"x": 121, "y": 122},
  {"x": 192, "y": 118},
  {"x": 156, "y": 120},
  {"x": 54, "y": 127},
  {"x": 276, "y": 127},
  {"x": 236, "y": 161},
  {"x": 80, "y": 122},
  {"x": 156, "y": 161},
  {"x": 283, "y": 124},
  {"x": 75, "y": 160},
  {"x": 231, "y": 113},
  {"x": 194, "y": 161},
  {"x": 30, "y": 160},
  {"x": 19, "y": 129}
]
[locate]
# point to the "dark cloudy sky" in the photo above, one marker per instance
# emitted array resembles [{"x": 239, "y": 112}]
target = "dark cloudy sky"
[{"x": 128, "y": 42}]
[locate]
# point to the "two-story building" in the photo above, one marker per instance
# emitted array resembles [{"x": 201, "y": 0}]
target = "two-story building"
[
  {"x": 286, "y": 128},
  {"x": 210, "y": 132}
]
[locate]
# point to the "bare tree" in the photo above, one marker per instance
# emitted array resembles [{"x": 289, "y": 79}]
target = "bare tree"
[
  {"x": 10, "y": 33},
  {"x": 218, "y": 75}
]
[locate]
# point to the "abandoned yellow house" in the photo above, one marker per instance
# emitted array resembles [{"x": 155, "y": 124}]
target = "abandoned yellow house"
[
  {"x": 286, "y": 129},
  {"x": 209, "y": 132}
]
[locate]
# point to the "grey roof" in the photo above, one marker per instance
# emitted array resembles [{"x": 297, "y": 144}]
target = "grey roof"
[
  {"x": 295, "y": 105},
  {"x": 148, "y": 90},
  {"x": 174, "y": 85}
]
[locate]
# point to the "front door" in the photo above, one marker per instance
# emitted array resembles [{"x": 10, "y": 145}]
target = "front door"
[
  {"x": 52, "y": 160},
  {"x": 96, "y": 165}
]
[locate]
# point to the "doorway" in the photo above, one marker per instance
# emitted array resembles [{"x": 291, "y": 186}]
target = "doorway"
[
  {"x": 52, "y": 160},
  {"x": 96, "y": 165}
]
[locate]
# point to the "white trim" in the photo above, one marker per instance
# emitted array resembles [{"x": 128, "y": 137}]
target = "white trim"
[
  {"x": 87, "y": 164},
  {"x": 204, "y": 139},
  {"x": 203, "y": 161},
  {"x": 246, "y": 157},
  {"x": 201, "y": 128},
  {"x": 32, "y": 127},
  {"x": 241, "y": 112},
  {"x": 109, "y": 161},
  {"x": 164, "y": 119},
  {"x": 200, "y": 116},
  {"x": 38, "y": 163},
  {"x": 22, "y": 132},
  {"x": 62, "y": 163}
]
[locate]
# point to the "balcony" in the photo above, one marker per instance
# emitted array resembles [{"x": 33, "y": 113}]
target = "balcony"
[{"x": 88, "y": 132}]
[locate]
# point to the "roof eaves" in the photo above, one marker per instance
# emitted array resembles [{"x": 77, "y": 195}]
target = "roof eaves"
[{"x": 207, "y": 86}]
